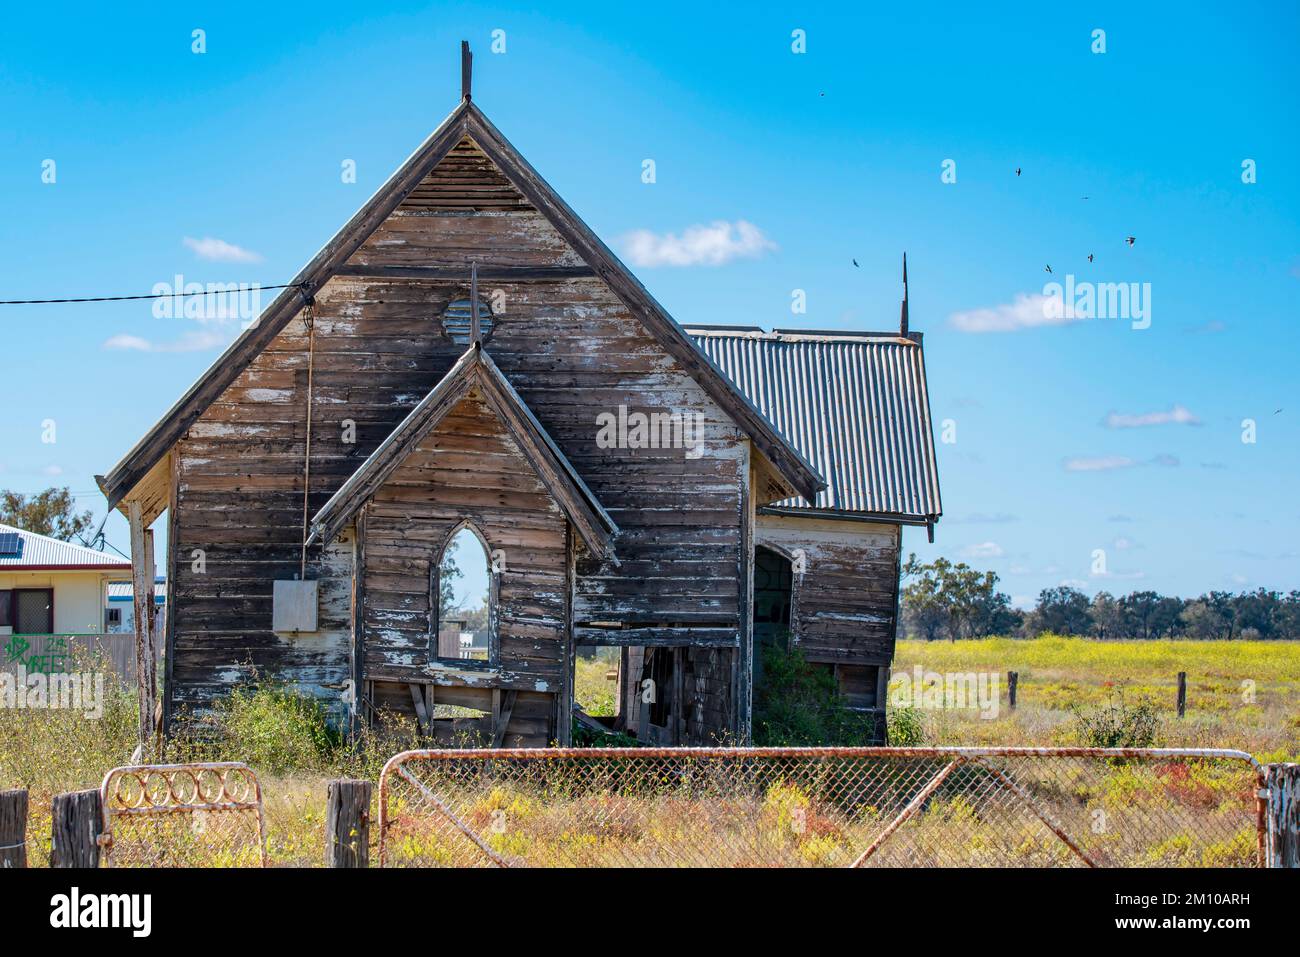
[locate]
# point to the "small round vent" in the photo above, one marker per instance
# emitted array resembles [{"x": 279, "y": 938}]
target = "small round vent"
[{"x": 455, "y": 321}]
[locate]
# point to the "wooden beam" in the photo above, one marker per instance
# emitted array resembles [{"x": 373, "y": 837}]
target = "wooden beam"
[
  {"x": 457, "y": 273},
  {"x": 421, "y": 713},
  {"x": 142, "y": 586},
  {"x": 503, "y": 720},
  {"x": 658, "y": 637},
  {"x": 466, "y": 70}
]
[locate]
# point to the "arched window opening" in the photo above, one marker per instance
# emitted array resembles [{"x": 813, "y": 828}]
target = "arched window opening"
[
  {"x": 466, "y": 600},
  {"x": 773, "y": 599}
]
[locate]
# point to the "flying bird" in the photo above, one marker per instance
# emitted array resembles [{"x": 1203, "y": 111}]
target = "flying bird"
[
  {"x": 1131, "y": 240},
  {"x": 1089, "y": 257},
  {"x": 855, "y": 263},
  {"x": 1048, "y": 268}
]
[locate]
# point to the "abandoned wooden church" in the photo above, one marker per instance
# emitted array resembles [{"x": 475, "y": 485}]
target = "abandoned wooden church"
[{"x": 466, "y": 354}]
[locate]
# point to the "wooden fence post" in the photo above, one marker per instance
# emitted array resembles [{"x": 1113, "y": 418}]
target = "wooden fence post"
[
  {"x": 74, "y": 823},
  {"x": 1182, "y": 693},
  {"x": 13, "y": 829},
  {"x": 347, "y": 824},
  {"x": 1013, "y": 679},
  {"x": 1283, "y": 843}
]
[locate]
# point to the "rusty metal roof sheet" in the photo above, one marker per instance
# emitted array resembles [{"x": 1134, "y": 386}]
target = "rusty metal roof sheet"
[{"x": 855, "y": 404}]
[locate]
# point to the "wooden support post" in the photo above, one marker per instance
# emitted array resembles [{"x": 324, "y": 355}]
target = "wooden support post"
[
  {"x": 347, "y": 824},
  {"x": 142, "y": 586},
  {"x": 422, "y": 716},
  {"x": 74, "y": 825},
  {"x": 1282, "y": 845},
  {"x": 1013, "y": 680},
  {"x": 503, "y": 717},
  {"x": 1182, "y": 693},
  {"x": 13, "y": 829}
]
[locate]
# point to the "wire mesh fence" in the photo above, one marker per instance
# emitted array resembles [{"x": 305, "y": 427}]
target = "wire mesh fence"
[
  {"x": 183, "y": 815},
  {"x": 770, "y": 807}
]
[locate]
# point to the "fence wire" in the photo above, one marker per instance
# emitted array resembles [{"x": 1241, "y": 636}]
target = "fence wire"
[
  {"x": 183, "y": 815},
  {"x": 831, "y": 807}
]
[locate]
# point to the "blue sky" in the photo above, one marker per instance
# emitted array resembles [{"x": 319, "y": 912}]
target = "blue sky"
[{"x": 830, "y": 155}]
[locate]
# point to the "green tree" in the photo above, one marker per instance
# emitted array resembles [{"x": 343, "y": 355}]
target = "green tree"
[
  {"x": 943, "y": 599},
  {"x": 1107, "y": 615},
  {"x": 52, "y": 512},
  {"x": 1061, "y": 611},
  {"x": 448, "y": 572}
]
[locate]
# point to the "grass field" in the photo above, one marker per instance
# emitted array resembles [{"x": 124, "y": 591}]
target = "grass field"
[{"x": 1240, "y": 694}]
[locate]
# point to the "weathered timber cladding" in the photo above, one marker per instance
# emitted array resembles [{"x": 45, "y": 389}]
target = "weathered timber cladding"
[
  {"x": 569, "y": 346},
  {"x": 467, "y": 470},
  {"x": 845, "y": 601}
]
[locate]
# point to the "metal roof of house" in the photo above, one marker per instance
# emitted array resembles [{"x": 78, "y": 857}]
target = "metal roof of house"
[
  {"x": 854, "y": 404},
  {"x": 41, "y": 551},
  {"x": 124, "y": 591}
]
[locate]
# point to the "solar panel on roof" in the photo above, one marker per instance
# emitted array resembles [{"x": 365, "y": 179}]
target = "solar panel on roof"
[{"x": 11, "y": 544}]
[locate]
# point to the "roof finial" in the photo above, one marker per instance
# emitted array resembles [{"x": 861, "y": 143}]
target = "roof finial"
[
  {"x": 466, "y": 69},
  {"x": 475, "y": 332},
  {"x": 902, "y": 320}
]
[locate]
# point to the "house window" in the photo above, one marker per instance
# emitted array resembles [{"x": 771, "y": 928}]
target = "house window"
[
  {"x": 112, "y": 619},
  {"x": 464, "y": 594},
  {"x": 6, "y": 606},
  {"x": 33, "y": 611}
]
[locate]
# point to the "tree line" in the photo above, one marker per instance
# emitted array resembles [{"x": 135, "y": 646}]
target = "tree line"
[{"x": 943, "y": 599}]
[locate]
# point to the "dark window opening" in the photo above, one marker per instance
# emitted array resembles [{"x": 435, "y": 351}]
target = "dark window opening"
[
  {"x": 6, "y": 609},
  {"x": 858, "y": 685},
  {"x": 658, "y": 669},
  {"x": 773, "y": 601}
]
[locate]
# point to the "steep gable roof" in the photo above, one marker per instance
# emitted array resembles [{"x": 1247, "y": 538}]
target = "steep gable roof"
[
  {"x": 474, "y": 369},
  {"x": 464, "y": 121}
]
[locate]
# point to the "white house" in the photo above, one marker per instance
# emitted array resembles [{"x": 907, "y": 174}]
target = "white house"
[{"x": 49, "y": 587}]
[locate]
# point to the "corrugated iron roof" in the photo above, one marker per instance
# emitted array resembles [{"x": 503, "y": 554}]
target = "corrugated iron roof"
[
  {"x": 41, "y": 551},
  {"x": 855, "y": 404},
  {"x": 124, "y": 591}
]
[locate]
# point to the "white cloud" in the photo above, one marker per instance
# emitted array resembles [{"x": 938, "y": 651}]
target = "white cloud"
[
  {"x": 713, "y": 245},
  {"x": 1026, "y": 311},
  {"x": 1100, "y": 463},
  {"x": 1107, "y": 463},
  {"x": 1179, "y": 415},
  {"x": 220, "y": 251},
  {"x": 190, "y": 342},
  {"x": 983, "y": 550}
]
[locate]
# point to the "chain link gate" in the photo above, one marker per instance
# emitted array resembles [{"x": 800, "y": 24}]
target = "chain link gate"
[
  {"x": 839, "y": 807},
  {"x": 183, "y": 815}
]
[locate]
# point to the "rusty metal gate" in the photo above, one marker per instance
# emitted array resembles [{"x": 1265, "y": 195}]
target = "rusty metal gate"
[
  {"x": 183, "y": 815},
  {"x": 837, "y": 807}
]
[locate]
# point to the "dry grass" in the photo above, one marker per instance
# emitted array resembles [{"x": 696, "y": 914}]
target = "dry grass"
[{"x": 49, "y": 752}]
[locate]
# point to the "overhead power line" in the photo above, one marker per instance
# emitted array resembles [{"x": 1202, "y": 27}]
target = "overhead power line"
[{"x": 156, "y": 295}]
